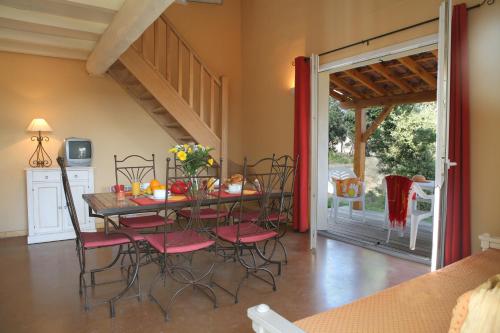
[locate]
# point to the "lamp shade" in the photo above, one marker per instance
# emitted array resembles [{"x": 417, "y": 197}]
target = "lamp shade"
[{"x": 39, "y": 125}]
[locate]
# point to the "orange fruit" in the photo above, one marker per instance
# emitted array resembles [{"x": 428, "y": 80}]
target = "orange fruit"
[{"x": 154, "y": 183}]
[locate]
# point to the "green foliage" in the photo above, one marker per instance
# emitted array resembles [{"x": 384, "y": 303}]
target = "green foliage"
[
  {"x": 337, "y": 124},
  {"x": 339, "y": 158},
  {"x": 405, "y": 143}
]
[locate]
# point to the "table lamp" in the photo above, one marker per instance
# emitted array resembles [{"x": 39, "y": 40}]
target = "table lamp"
[{"x": 40, "y": 158}]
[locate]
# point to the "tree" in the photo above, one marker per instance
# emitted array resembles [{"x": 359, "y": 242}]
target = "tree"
[
  {"x": 405, "y": 143},
  {"x": 337, "y": 129}
]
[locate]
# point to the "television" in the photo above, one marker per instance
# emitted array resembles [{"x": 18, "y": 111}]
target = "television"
[{"x": 77, "y": 152}]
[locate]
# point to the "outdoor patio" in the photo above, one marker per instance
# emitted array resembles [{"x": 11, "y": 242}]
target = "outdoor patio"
[{"x": 372, "y": 234}]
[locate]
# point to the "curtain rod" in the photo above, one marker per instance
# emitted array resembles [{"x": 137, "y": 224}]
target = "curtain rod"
[{"x": 367, "y": 41}]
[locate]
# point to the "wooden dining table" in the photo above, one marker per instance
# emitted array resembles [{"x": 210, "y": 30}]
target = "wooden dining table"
[{"x": 105, "y": 205}]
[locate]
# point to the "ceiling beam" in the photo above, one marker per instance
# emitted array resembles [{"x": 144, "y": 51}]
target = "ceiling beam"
[
  {"x": 337, "y": 96},
  {"x": 420, "y": 97},
  {"x": 341, "y": 84},
  {"x": 366, "y": 81},
  {"x": 127, "y": 25},
  {"x": 405, "y": 87},
  {"x": 43, "y": 50},
  {"x": 56, "y": 21},
  {"x": 91, "y": 10},
  {"x": 419, "y": 70},
  {"x": 47, "y": 40},
  {"x": 376, "y": 122}
]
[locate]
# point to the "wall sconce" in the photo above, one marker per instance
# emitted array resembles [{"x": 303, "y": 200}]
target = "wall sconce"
[{"x": 40, "y": 158}]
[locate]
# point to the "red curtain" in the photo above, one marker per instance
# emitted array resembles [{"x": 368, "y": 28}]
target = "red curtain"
[
  {"x": 301, "y": 143},
  {"x": 457, "y": 237}
]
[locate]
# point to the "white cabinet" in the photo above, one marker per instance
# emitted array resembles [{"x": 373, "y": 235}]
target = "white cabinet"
[{"x": 48, "y": 217}]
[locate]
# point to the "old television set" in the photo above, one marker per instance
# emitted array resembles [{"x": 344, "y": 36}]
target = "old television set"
[{"x": 77, "y": 152}]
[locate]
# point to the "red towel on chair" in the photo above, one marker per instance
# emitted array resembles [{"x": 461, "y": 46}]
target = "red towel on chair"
[{"x": 398, "y": 192}]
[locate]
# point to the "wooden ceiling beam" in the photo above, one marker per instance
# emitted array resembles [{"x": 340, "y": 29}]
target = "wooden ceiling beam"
[
  {"x": 376, "y": 122},
  {"x": 419, "y": 70},
  {"x": 379, "y": 68},
  {"x": 366, "y": 81},
  {"x": 419, "y": 97},
  {"x": 344, "y": 86},
  {"x": 128, "y": 24},
  {"x": 337, "y": 96}
]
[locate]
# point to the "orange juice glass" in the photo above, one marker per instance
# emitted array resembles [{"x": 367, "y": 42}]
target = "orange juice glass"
[{"x": 136, "y": 188}]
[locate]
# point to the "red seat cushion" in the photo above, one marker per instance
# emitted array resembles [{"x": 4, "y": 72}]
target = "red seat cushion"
[
  {"x": 249, "y": 233},
  {"x": 179, "y": 241},
  {"x": 100, "y": 239},
  {"x": 144, "y": 221},
  {"x": 205, "y": 213},
  {"x": 253, "y": 216}
]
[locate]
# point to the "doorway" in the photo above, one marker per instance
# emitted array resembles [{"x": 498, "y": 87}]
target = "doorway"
[
  {"x": 320, "y": 92},
  {"x": 382, "y": 121}
]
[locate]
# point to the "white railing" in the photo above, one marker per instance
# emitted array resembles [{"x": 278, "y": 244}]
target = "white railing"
[{"x": 265, "y": 320}]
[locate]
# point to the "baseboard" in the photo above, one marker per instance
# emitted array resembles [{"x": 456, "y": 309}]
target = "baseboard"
[{"x": 14, "y": 233}]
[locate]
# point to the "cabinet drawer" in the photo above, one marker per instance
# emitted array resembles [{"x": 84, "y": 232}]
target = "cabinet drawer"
[
  {"x": 78, "y": 175},
  {"x": 45, "y": 176}
]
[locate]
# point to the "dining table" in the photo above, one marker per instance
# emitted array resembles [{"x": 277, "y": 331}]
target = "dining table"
[{"x": 106, "y": 204}]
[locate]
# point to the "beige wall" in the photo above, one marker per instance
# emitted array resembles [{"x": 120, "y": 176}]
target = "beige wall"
[
  {"x": 215, "y": 34},
  {"x": 74, "y": 104},
  {"x": 484, "y": 58},
  {"x": 274, "y": 32}
]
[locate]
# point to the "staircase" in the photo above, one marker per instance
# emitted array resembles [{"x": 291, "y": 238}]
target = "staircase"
[{"x": 169, "y": 80}]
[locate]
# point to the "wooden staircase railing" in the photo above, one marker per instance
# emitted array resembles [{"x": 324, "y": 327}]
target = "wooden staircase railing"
[{"x": 166, "y": 76}]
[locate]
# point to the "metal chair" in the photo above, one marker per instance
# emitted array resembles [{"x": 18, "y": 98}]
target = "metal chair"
[
  {"x": 287, "y": 166},
  {"x": 86, "y": 241},
  {"x": 176, "y": 248},
  {"x": 244, "y": 236},
  {"x": 135, "y": 168}
]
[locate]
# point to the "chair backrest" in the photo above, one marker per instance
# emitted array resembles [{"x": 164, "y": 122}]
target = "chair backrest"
[
  {"x": 69, "y": 198},
  {"x": 267, "y": 179},
  {"x": 288, "y": 167},
  {"x": 342, "y": 173},
  {"x": 134, "y": 168}
]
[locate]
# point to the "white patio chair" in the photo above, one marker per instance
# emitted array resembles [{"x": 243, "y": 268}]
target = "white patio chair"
[
  {"x": 416, "y": 215},
  {"x": 341, "y": 173}
]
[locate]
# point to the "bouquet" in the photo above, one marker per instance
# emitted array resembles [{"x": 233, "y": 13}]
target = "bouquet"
[{"x": 193, "y": 157}]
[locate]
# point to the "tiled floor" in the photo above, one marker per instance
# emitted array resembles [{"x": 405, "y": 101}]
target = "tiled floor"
[{"x": 39, "y": 289}]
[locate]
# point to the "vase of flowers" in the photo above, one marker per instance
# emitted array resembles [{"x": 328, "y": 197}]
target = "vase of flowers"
[{"x": 192, "y": 159}]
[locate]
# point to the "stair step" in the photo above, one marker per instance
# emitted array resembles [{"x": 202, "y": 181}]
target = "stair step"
[
  {"x": 159, "y": 110},
  {"x": 172, "y": 125},
  {"x": 185, "y": 138},
  {"x": 147, "y": 97}
]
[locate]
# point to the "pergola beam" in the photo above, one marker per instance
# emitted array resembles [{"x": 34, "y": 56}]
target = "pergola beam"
[
  {"x": 376, "y": 122},
  {"x": 338, "y": 82},
  {"x": 382, "y": 70},
  {"x": 127, "y": 25},
  {"x": 419, "y": 70},
  {"x": 420, "y": 97},
  {"x": 366, "y": 81}
]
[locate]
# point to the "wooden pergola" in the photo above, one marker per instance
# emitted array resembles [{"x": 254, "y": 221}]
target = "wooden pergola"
[{"x": 407, "y": 80}]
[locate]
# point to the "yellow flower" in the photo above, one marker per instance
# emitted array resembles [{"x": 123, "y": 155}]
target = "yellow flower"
[
  {"x": 185, "y": 146},
  {"x": 173, "y": 150},
  {"x": 210, "y": 161},
  {"x": 190, "y": 150},
  {"x": 181, "y": 155}
]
